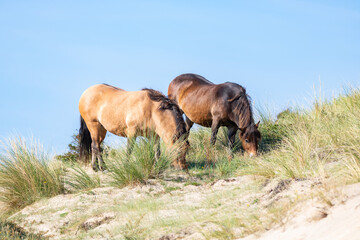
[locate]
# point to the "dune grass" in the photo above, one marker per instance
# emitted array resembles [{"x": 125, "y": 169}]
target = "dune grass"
[
  {"x": 27, "y": 174},
  {"x": 322, "y": 143},
  {"x": 141, "y": 164},
  {"x": 77, "y": 179},
  {"x": 319, "y": 143}
]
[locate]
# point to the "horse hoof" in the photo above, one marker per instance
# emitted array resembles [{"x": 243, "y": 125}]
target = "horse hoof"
[{"x": 183, "y": 167}]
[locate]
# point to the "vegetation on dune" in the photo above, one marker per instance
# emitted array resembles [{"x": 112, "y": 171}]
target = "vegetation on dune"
[
  {"x": 73, "y": 154},
  {"x": 27, "y": 174},
  {"x": 9, "y": 231},
  {"x": 319, "y": 144},
  {"x": 302, "y": 144},
  {"x": 77, "y": 179},
  {"x": 141, "y": 164}
]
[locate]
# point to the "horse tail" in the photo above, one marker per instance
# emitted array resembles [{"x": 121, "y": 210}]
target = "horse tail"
[{"x": 85, "y": 140}]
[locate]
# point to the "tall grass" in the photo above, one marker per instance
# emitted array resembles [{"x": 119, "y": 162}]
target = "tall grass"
[
  {"x": 141, "y": 164},
  {"x": 209, "y": 162},
  {"x": 322, "y": 142},
  {"x": 27, "y": 174},
  {"x": 319, "y": 143},
  {"x": 77, "y": 179}
]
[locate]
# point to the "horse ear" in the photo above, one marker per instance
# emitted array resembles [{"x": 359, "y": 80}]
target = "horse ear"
[{"x": 257, "y": 125}]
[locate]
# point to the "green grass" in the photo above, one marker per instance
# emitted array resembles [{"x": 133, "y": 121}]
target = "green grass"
[
  {"x": 319, "y": 143},
  {"x": 208, "y": 162},
  {"x": 141, "y": 165},
  {"x": 322, "y": 143},
  {"x": 77, "y": 179},
  {"x": 27, "y": 174}
]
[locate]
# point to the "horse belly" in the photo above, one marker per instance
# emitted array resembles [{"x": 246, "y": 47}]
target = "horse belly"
[
  {"x": 112, "y": 121},
  {"x": 198, "y": 114},
  {"x": 115, "y": 128}
]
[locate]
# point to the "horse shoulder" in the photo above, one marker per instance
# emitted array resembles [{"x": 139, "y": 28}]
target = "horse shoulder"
[{"x": 138, "y": 109}]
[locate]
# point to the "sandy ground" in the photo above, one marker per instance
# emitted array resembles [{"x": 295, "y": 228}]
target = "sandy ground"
[
  {"x": 338, "y": 222},
  {"x": 170, "y": 210}
]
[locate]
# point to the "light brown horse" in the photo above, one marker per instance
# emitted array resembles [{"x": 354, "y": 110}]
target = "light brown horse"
[
  {"x": 214, "y": 105},
  {"x": 129, "y": 114}
]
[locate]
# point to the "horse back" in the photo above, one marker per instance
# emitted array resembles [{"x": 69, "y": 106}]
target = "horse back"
[
  {"x": 114, "y": 108},
  {"x": 200, "y": 99}
]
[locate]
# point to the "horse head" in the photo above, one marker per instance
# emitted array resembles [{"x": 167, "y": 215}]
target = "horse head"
[
  {"x": 174, "y": 125},
  {"x": 250, "y": 138}
]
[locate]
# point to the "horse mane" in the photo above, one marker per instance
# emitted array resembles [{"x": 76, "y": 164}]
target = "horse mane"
[
  {"x": 243, "y": 109},
  {"x": 166, "y": 103}
]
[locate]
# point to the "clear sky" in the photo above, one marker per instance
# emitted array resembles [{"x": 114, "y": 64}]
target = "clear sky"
[{"x": 51, "y": 51}]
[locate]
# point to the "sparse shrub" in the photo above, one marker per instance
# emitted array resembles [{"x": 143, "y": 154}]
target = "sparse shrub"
[
  {"x": 72, "y": 155},
  {"x": 27, "y": 174},
  {"x": 9, "y": 231}
]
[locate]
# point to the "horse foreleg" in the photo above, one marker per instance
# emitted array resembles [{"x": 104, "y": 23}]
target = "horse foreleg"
[
  {"x": 157, "y": 148},
  {"x": 231, "y": 136},
  {"x": 188, "y": 123},
  {"x": 214, "y": 130}
]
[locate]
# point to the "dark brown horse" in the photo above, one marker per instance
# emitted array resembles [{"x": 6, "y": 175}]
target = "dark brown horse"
[
  {"x": 214, "y": 105},
  {"x": 129, "y": 114}
]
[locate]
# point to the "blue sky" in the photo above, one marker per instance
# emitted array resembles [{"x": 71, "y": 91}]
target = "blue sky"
[{"x": 51, "y": 51}]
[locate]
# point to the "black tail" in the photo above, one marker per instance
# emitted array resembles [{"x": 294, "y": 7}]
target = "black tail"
[{"x": 85, "y": 140}]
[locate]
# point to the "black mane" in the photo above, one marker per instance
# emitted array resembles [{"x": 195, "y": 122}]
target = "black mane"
[{"x": 243, "y": 109}]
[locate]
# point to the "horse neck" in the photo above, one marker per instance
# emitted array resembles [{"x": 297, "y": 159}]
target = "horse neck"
[{"x": 165, "y": 125}]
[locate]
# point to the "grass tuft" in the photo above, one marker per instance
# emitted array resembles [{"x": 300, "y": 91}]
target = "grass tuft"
[
  {"x": 140, "y": 165},
  {"x": 27, "y": 174},
  {"x": 77, "y": 179}
]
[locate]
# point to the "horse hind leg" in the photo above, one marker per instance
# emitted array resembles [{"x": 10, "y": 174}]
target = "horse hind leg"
[
  {"x": 98, "y": 133},
  {"x": 95, "y": 152}
]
